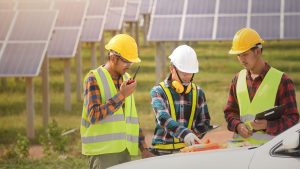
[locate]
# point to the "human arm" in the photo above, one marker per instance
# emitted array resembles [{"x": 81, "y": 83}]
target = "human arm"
[
  {"x": 231, "y": 110},
  {"x": 96, "y": 110},
  {"x": 160, "y": 106},
  {"x": 290, "y": 116}
]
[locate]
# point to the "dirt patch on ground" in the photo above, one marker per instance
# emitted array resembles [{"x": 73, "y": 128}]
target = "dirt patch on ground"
[{"x": 36, "y": 152}]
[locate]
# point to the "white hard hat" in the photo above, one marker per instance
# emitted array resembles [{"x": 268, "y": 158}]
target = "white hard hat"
[{"x": 184, "y": 58}]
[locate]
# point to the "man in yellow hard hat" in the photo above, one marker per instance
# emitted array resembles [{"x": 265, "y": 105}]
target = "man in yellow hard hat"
[
  {"x": 110, "y": 131},
  {"x": 180, "y": 108},
  {"x": 256, "y": 88}
]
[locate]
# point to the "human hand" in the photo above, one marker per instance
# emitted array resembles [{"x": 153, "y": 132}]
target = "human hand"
[
  {"x": 243, "y": 130},
  {"x": 191, "y": 139},
  {"x": 259, "y": 124},
  {"x": 127, "y": 89}
]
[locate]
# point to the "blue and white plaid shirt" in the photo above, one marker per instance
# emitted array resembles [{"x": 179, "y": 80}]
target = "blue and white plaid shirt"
[{"x": 166, "y": 127}]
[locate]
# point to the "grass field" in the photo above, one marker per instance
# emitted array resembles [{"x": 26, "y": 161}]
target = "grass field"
[{"x": 217, "y": 68}]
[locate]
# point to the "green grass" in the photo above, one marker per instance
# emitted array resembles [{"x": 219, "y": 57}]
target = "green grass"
[{"x": 217, "y": 68}]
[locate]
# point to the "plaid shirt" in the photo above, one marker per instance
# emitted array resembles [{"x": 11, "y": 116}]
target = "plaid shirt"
[
  {"x": 168, "y": 128},
  {"x": 96, "y": 110},
  {"x": 285, "y": 95}
]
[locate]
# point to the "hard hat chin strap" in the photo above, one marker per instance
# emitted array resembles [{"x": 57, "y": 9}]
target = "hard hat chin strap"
[{"x": 186, "y": 87}]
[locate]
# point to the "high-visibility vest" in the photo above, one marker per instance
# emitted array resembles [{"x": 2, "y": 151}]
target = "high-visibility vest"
[
  {"x": 176, "y": 142},
  {"x": 116, "y": 132},
  {"x": 264, "y": 99}
]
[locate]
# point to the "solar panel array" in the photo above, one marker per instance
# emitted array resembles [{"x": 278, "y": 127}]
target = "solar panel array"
[
  {"x": 115, "y": 15},
  {"x": 24, "y": 40},
  {"x": 68, "y": 28},
  {"x": 146, "y": 6},
  {"x": 132, "y": 11},
  {"x": 192, "y": 20},
  {"x": 95, "y": 20}
]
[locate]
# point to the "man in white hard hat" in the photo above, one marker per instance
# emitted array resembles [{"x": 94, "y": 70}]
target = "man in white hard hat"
[
  {"x": 110, "y": 131},
  {"x": 180, "y": 106},
  {"x": 256, "y": 88}
]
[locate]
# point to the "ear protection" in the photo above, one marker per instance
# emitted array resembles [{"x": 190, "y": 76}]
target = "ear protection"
[{"x": 179, "y": 88}]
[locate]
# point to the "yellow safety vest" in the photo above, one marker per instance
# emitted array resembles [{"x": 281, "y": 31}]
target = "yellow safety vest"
[
  {"x": 116, "y": 132},
  {"x": 177, "y": 144},
  {"x": 264, "y": 99}
]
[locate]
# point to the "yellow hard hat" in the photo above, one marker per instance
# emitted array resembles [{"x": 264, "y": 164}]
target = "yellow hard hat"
[
  {"x": 244, "y": 39},
  {"x": 124, "y": 45}
]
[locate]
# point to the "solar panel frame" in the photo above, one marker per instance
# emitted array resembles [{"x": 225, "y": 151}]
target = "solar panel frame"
[
  {"x": 114, "y": 21},
  {"x": 71, "y": 17},
  {"x": 132, "y": 11},
  {"x": 93, "y": 27},
  {"x": 115, "y": 15},
  {"x": 258, "y": 14},
  {"x": 146, "y": 6},
  {"x": 28, "y": 54},
  {"x": 6, "y": 17}
]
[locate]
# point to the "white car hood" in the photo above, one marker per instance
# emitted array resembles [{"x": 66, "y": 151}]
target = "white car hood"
[{"x": 233, "y": 158}]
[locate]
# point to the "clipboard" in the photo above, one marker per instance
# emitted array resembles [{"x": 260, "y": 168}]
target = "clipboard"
[{"x": 270, "y": 114}]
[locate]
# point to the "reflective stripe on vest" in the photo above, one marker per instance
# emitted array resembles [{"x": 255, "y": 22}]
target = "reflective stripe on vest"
[
  {"x": 264, "y": 99},
  {"x": 177, "y": 144},
  {"x": 116, "y": 132}
]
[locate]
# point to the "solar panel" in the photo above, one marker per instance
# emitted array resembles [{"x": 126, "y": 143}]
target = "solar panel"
[
  {"x": 97, "y": 7},
  {"x": 292, "y": 6},
  {"x": 25, "y": 30},
  {"x": 201, "y": 7},
  {"x": 194, "y": 29},
  {"x": 68, "y": 28},
  {"x": 25, "y": 46},
  {"x": 146, "y": 6},
  {"x": 228, "y": 26},
  {"x": 6, "y": 18},
  {"x": 71, "y": 13},
  {"x": 266, "y": 6},
  {"x": 132, "y": 11},
  {"x": 34, "y": 4},
  {"x": 117, "y": 3},
  {"x": 115, "y": 15},
  {"x": 292, "y": 27},
  {"x": 225, "y": 7},
  {"x": 22, "y": 59},
  {"x": 92, "y": 30},
  {"x": 63, "y": 43},
  {"x": 263, "y": 25},
  {"x": 220, "y": 19},
  {"x": 94, "y": 21},
  {"x": 114, "y": 19},
  {"x": 167, "y": 7},
  {"x": 169, "y": 29}
]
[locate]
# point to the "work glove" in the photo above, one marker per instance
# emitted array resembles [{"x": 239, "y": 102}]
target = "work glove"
[{"x": 191, "y": 139}]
